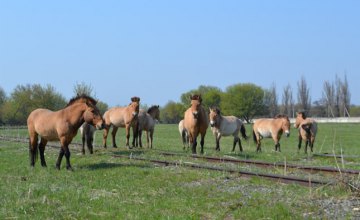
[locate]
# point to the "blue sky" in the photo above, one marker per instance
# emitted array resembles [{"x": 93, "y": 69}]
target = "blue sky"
[{"x": 160, "y": 49}]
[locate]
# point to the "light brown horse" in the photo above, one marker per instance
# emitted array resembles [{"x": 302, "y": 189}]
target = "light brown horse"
[
  {"x": 123, "y": 117},
  {"x": 196, "y": 122},
  {"x": 226, "y": 126},
  {"x": 146, "y": 121},
  {"x": 307, "y": 130},
  {"x": 184, "y": 135},
  {"x": 271, "y": 128},
  {"x": 61, "y": 125},
  {"x": 87, "y": 132}
]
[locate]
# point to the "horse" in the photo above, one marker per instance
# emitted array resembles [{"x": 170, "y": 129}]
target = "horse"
[
  {"x": 87, "y": 132},
  {"x": 121, "y": 117},
  {"x": 184, "y": 134},
  {"x": 195, "y": 122},
  {"x": 307, "y": 130},
  {"x": 146, "y": 121},
  {"x": 62, "y": 126},
  {"x": 226, "y": 126},
  {"x": 271, "y": 128}
]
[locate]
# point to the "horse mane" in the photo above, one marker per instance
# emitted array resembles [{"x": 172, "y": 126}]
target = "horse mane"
[
  {"x": 196, "y": 97},
  {"x": 84, "y": 97},
  {"x": 303, "y": 115},
  {"x": 152, "y": 108},
  {"x": 135, "y": 99},
  {"x": 216, "y": 109},
  {"x": 281, "y": 116}
]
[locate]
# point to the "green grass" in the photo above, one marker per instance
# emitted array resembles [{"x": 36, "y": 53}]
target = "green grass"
[{"x": 104, "y": 187}]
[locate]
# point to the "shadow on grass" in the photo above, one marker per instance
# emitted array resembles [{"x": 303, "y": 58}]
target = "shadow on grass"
[{"x": 105, "y": 165}]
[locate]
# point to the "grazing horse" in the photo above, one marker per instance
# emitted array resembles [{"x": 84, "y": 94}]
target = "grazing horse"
[
  {"x": 226, "y": 126},
  {"x": 271, "y": 128},
  {"x": 87, "y": 132},
  {"x": 195, "y": 122},
  {"x": 61, "y": 125},
  {"x": 146, "y": 121},
  {"x": 184, "y": 134},
  {"x": 307, "y": 130},
  {"x": 121, "y": 117}
]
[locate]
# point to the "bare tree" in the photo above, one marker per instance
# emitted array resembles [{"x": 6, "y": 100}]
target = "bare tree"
[
  {"x": 288, "y": 101},
  {"x": 304, "y": 99},
  {"x": 329, "y": 98},
  {"x": 270, "y": 100},
  {"x": 83, "y": 88},
  {"x": 344, "y": 98}
]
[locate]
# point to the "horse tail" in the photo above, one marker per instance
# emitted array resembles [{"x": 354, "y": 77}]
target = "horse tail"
[
  {"x": 254, "y": 137},
  {"x": 243, "y": 131}
]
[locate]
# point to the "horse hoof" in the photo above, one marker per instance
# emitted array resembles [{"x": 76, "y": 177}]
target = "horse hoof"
[
  {"x": 69, "y": 168},
  {"x": 114, "y": 146}
]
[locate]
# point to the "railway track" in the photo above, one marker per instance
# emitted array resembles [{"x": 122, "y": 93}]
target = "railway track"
[
  {"x": 275, "y": 177},
  {"x": 267, "y": 164}
]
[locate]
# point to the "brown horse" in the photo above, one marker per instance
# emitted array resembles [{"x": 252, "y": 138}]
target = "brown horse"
[
  {"x": 195, "y": 122},
  {"x": 61, "y": 125},
  {"x": 87, "y": 132},
  {"x": 271, "y": 128},
  {"x": 121, "y": 117},
  {"x": 146, "y": 121},
  {"x": 226, "y": 126},
  {"x": 307, "y": 130}
]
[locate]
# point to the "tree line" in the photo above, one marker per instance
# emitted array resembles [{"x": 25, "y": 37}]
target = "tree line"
[{"x": 244, "y": 100}]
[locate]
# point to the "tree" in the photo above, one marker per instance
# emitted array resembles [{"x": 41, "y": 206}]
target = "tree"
[
  {"x": 244, "y": 101},
  {"x": 211, "y": 96},
  {"x": 288, "y": 101},
  {"x": 304, "y": 99},
  {"x": 329, "y": 98},
  {"x": 344, "y": 98},
  {"x": 172, "y": 112},
  {"x": 2, "y": 101},
  {"x": 270, "y": 101},
  {"x": 25, "y": 99}
]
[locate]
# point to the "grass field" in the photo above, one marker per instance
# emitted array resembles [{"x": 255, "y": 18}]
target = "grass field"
[{"x": 104, "y": 187}]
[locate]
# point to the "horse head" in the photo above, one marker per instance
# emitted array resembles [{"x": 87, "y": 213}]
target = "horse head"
[
  {"x": 195, "y": 105},
  {"x": 300, "y": 117},
  {"x": 92, "y": 116},
  {"x": 214, "y": 116},
  {"x": 285, "y": 124},
  {"x": 134, "y": 106},
  {"x": 154, "y": 111}
]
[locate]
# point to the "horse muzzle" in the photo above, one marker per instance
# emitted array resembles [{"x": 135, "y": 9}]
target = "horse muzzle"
[
  {"x": 100, "y": 126},
  {"x": 212, "y": 123}
]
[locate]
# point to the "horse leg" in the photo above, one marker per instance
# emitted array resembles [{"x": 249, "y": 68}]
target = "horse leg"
[
  {"x": 312, "y": 140},
  {"x": 61, "y": 154},
  {"x": 306, "y": 145},
  {"x": 90, "y": 145},
  {"x": 258, "y": 148},
  {"x": 33, "y": 148},
  {"x": 105, "y": 134},
  {"x": 42, "y": 145},
  {"x": 236, "y": 139},
  {"x": 240, "y": 146},
  {"x": 151, "y": 138},
  {"x": 67, "y": 156},
  {"x": 299, "y": 144},
  {"x": 217, "y": 139},
  {"x": 113, "y": 134},
  {"x": 193, "y": 144},
  {"x": 202, "y": 143},
  {"x": 140, "y": 138},
  {"x": 147, "y": 139},
  {"x": 83, "y": 144},
  {"x": 127, "y": 128}
]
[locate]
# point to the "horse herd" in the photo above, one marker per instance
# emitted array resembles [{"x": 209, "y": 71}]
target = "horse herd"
[{"x": 81, "y": 113}]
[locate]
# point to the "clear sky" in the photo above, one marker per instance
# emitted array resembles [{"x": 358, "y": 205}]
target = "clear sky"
[{"x": 160, "y": 49}]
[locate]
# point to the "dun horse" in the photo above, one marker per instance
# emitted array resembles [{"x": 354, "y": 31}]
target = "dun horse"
[
  {"x": 271, "y": 128},
  {"x": 61, "y": 125},
  {"x": 121, "y": 117},
  {"x": 226, "y": 126},
  {"x": 146, "y": 121},
  {"x": 184, "y": 134},
  {"x": 196, "y": 122},
  {"x": 87, "y": 132},
  {"x": 307, "y": 130}
]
